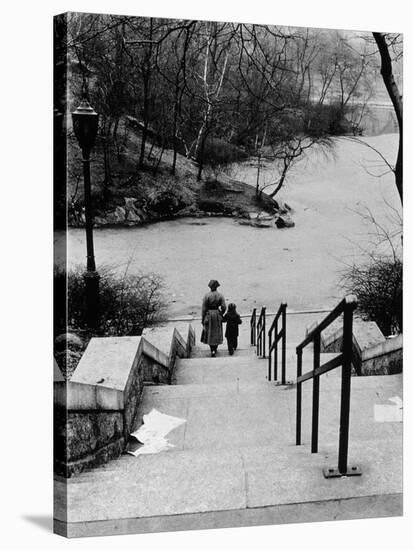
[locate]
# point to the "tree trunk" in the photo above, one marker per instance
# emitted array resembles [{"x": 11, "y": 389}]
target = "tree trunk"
[
  {"x": 146, "y": 77},
  {"x": 107, "y": 182},
  {"x": 279, "y": 185},
  {"x": 151, "y": 150},
  {"x": 287, "y": 164},
  {"x": 143, "y": 144},
  {"x": 175, "y": 154},
  {"x": 158, "y": 162},
  {"x": 115, "y": 139},
  {"x": 257, "y": 186},
  {"x": 201, "y": 159},
  {"x": 396, "y": 99}
]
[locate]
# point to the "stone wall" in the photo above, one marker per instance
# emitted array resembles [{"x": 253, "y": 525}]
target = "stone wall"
[
  {"x": 85, "y": 439},
  {"x": 384, "y": 358},
  {"x": 96, "y": 410},
  {"x": 374, "y": 354},
  {"x": 164, "y": 344}
]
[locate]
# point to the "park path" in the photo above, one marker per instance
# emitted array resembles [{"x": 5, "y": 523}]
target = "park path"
[{"x": 235, "y": 461}]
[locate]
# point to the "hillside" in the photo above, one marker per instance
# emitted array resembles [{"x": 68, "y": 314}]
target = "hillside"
[{"x": 124, "y": 194}]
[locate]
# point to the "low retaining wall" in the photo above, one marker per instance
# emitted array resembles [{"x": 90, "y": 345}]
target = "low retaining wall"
[
  {"x": 384, "y": 358},
  {"x": 374, "y": 354},
  {"x": 96, "y": 410}
]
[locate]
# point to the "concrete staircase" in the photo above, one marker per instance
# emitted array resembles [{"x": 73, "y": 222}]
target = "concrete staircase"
[{"x": 235, "y": 461}]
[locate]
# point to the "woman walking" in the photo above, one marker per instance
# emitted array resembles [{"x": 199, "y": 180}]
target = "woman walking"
[{"x": 213, "y": 308}]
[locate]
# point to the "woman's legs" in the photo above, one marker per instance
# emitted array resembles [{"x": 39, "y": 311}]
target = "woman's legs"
[{"x": 213, "y": 350}]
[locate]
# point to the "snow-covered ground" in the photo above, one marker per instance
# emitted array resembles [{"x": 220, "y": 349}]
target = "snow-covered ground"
[{"x": 263, "y": 266}]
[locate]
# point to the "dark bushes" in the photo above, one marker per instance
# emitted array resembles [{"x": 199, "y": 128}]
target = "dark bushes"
[
  {"x": 167, "y": 203},
  {"x": 328, "y": 119},
  {"x": 128, "y": 303},
  {"x": 219, "y": 153},
  {"x": 378, "y": 287},
  {"x": 212, "y": 205}
]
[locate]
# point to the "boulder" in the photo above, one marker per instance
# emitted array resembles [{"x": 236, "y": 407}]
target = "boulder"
[
  {"x": 190, "y": 210},
  {"x": 284, "y": 221},
  {"x": 117, "y": 216},
  {"x": 284, "y": 208},
  {"x": 130, "y": 203},
  {"x": 68, "y": 361},
  {"x": 132, "y": 216},
  {"x": 120, "y": 214},
  {"x": 141, "y": 213},
  {"x": 110, "y": 218},
  {"x": 68, "y": 340},
  {"x": 99, "y": 221}
]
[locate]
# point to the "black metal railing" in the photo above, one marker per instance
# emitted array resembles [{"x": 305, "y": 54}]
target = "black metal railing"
[
  {"x": 274, "y": 336},
  {"x": 346, "y": 308},
  {"x": 260, "y": 341},
  {"x": 253, "y": 327}
]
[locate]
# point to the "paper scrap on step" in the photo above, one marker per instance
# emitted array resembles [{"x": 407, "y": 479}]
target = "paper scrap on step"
[
  {"x": 153, "y": 431},
  {"x": 389, "y": 413}
]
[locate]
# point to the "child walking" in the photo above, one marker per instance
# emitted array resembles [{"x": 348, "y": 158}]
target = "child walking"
[{"x": 232, "y": 319}]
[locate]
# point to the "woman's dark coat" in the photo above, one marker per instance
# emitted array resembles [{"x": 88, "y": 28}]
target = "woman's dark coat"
[{"x": 213, "y": 307}]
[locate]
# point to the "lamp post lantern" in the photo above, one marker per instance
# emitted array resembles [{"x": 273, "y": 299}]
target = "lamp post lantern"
[{"x": 85, "y": 125}]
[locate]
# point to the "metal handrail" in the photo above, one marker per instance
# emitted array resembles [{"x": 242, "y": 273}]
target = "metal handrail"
[
  {"x": 260, "y": 341},
  {"x": 344, "y": 359},
  {"x": 273, "y": 340},
  {"x": 253, "y": 327}
]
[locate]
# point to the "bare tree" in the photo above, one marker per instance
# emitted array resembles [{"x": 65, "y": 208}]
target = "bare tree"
[{"x": 384, "y": 42}]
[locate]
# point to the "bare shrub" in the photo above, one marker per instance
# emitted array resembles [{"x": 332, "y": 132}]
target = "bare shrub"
[
  {"x": 128, "y": 303},
  {"x": 378, "y": 287}
]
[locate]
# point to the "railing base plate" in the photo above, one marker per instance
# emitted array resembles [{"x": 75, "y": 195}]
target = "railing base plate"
[
  {"x": 334, "y": 472},
  {"x": 286, "y": 383}
]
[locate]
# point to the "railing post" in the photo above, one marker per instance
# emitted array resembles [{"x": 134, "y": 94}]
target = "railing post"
[
  {"x": 284, "y": 339},
  {"x": 263, "y": 333},
  {"x": 343, "y": 467},
  {"x": 269, "y": 354},
  {"x": 276, "y": 354},
  {"x": 257, "y": 336},
  {"x": 316, "y": 395},
  {"x": 345, "y": 389},
  {"x": 253, "y": 324},
  {"x": 298, "y": 406}
]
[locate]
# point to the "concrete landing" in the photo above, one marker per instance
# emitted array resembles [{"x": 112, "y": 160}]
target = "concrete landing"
[
  {"x": 243, "y": 365},
  {"x": 235, "y": 461}
]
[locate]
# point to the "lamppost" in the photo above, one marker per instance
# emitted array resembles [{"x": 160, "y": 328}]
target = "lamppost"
[{"x": 85, "y": 125}]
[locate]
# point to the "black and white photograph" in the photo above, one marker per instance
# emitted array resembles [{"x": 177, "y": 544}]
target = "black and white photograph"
[
  {"x": 228, "y": 274},
  {"x": 226, "y": 277}
]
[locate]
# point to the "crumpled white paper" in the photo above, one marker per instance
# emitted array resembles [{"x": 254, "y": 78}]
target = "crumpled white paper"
[
  {"x": 389, "y": 413},
  {"x": 155, "y": 427}
]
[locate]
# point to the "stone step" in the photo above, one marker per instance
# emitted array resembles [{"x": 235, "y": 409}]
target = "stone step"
[
  {"x": 266, "y": 455},
  {"x": 222, "y": 351},
  {"x": 241, "y": 412},
  {"x": 243, "y": 356},
  {"x": 204, "y": 370},
  {"x": 254, "y": 477},
  {"x": 236, "y": 452},
  {"x": 204, "y": 351}
]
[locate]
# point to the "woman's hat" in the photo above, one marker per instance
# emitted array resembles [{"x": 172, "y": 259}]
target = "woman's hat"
[{"x": 213, "y": 283}]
